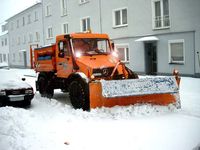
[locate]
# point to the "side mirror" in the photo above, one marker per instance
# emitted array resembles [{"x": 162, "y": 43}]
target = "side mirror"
[
  {"x": 61, "y": 49},
  {"x": 112, "y": 45},
  {"x": 61, "y": 54},
  {"x": 23, "y": 79}
]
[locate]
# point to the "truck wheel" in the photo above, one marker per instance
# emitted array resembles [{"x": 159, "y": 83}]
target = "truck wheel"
[
  {"x": 45, "y": 89},
  {"x": 79, "y": 94}
]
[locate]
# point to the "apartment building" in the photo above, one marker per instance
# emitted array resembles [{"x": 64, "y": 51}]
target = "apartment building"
[
  {"x": 25, "y": 29},
  {"x": 4, "y": 43},
  {"x": 151, "y": 36}
]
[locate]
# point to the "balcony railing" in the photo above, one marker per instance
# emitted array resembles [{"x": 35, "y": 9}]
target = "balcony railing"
[
  {"x": 161, "y": 21},
  {"x": 64, "y": 11}
]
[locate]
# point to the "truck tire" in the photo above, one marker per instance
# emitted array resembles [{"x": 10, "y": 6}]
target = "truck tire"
[
  {"x": 79, "y": 94},
  {"x": 45, "y": 89}
]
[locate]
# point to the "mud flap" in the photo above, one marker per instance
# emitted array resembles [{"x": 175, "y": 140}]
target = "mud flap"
[{"x": 158, "y": 90}]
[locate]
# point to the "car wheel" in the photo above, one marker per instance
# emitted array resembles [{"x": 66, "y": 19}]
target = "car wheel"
[
  {"x": 79, "y": 94},
  {"x": 1, "y": 103},
  {"x": 27, "y": 104}
]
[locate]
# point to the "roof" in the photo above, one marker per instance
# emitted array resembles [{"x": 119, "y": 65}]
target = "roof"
[
  {"x": 37, "y": 3},
  {"x": 3, "y": 33}
]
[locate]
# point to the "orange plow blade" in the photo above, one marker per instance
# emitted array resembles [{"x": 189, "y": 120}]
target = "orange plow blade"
[{"x": 158, "y": 91}]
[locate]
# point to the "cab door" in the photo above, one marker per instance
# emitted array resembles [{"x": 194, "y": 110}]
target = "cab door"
[{"x": 64, "y": 59}]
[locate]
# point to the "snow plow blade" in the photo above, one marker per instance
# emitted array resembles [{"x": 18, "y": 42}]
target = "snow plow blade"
[{"x": 158, "y": 91}]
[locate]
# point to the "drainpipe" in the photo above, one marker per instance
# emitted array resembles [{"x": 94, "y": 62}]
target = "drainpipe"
[
  {"x": 100, "y": 16},
  {"x": 43, "y": 32},
  {"x": 198, "y": 58}
]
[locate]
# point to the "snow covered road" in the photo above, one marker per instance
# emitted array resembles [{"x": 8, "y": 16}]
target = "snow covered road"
[{"x": 48, "y": 124}]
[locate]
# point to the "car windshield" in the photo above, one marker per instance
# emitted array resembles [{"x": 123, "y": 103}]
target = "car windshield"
[{"x": 91, "y": 46}]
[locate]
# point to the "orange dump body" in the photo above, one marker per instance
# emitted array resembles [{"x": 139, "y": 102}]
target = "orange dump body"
[{"x": 44, "y": 58}]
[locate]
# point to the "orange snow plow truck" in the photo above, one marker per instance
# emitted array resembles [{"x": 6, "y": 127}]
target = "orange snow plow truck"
[{"x": 87, "y": 66}]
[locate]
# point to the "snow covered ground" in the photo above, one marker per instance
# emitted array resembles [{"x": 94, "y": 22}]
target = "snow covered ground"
[{"x": 54, "y": 124}]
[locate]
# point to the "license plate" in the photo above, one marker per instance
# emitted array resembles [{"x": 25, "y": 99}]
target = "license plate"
[{"x": 16, "y": 98}]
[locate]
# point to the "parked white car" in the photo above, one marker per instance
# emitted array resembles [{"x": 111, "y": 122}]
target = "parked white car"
[{"x": 14, "y": 90}]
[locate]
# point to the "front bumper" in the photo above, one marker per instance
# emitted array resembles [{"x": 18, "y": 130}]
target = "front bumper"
[{"x": 18, "y": 100}]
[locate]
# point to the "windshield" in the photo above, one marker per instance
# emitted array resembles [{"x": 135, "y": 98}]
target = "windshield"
[{"x": 91, "y": 46}]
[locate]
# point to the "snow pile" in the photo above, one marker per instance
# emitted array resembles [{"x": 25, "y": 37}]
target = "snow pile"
[
  {"x": 117, "y": 88},
  {"x": 48, "y": 124},
  {"x": 54, "y": 124}
]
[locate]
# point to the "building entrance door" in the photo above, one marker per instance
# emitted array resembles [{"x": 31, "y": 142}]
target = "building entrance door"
[{"x": 150, "y": 58}]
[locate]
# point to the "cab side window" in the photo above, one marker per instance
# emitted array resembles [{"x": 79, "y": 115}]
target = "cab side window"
[{"x": 63, "y": 49}]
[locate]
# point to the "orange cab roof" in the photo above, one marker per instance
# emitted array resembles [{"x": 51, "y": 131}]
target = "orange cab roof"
[{"x": 88, "y": 35}]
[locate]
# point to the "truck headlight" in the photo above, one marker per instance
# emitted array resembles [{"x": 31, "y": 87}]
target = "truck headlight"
[
  {"x": 115, "y": 54},
  {"x": 78, "y": 54},
  {"x": 29, "y": 91},
  {"x": 2, "y": 92}
]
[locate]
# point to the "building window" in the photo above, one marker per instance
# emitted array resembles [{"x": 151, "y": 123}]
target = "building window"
[
  {"x": 13, "y": 42},
  {"x": 29, "y": 19},
  {"x": 37, "y": 37},
  {"x": 18, "y": 41},
  {"x": 6, "y": 41},
  {"x": 4, "y": 57},
  {"x": 161, "y": 14},
  {"x": 13, "y": 57},
  {"x": 23, "y": 21},
  {"x": 17, "y": 23},
  {"x": 65, "y": 28},
  {"x": 20, "y": 57},
  {"x": 123, "y": 52},
  {"x": 49, "y": 33},
  {"x": 2, "y": 43},
  {"x": 1, "y": 60},
  {"x": 48, "y": 11},
  {"x": 63, "y": 7},
  {"x": 120, "y": 17},
  {"x": 36, "y": 16},
  {"x": 85, "y": 24},
  {"x": 30, "y": 38},
  {"x": 83, "y": 1},
  {"x": 4, "y": 28},
  {"x": 24, "y": 39},
  {"x": 12, "y": 26},
  {"x": 176, "y": 51}
]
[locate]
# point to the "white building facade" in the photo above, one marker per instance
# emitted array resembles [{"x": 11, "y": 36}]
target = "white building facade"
[
  {"x": 152, "y": 36},
  {"x": 4, "y": 44},
  {"x": 25, "y": 29}
]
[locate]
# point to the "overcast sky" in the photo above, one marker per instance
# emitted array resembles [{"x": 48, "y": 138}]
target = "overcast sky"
[{"x": 8, "y": 8}]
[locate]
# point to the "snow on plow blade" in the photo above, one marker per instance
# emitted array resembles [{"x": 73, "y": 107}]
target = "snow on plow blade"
[{"x": 159, "y": 91}]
